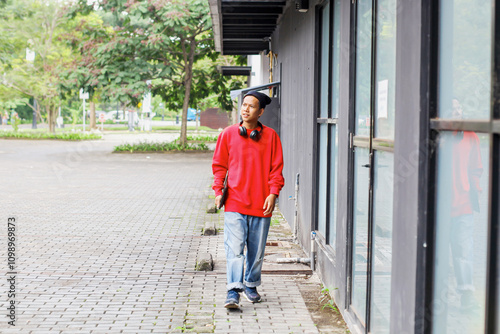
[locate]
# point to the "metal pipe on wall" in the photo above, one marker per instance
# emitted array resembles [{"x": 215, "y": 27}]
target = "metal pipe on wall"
[{"x": 295, "y": 214}]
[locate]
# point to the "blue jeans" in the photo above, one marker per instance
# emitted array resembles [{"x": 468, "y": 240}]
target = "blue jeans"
[
  {"x": 241, "y": 230},
  {"x": 462, "y": 251}
]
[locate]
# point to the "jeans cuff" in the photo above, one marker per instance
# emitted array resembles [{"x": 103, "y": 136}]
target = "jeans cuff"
[
  {"x": 236, "y": 286},
  {"x": 252, "y": 284}
]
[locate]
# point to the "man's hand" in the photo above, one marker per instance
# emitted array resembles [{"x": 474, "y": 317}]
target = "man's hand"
[
  {"x": 217, "y": 201},
  {"x": 269, "y": 204}
]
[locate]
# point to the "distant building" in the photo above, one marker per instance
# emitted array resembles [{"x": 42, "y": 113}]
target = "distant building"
[{"x": 214, "y": 118}]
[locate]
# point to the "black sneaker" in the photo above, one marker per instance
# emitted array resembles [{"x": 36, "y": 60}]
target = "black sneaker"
[
  {"x": 252, "y": 295},
  {"x": 232, "y": 300}
]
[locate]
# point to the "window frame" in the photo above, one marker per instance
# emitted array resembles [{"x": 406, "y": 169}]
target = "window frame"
[{"x": 327, "y": 122}]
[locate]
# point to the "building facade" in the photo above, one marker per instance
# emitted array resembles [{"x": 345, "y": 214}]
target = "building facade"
[{"x": 390, "y": 115}]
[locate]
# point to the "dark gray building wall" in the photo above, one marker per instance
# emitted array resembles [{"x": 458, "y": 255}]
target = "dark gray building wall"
[
  {"x": 271, "y": 116},
  {"x": 408, "y": 148},
  {"x": 293, "y": 41}
]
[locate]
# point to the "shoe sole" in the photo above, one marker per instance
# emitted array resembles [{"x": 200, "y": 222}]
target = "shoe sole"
[
  {"x": 253, "y": 302},
  {"x": 232, "y": 306}
]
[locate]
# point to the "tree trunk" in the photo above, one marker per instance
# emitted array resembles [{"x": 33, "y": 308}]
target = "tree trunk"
[
  {"x": 51, "y": 119},
  {"x": 185, "y": 106},
  {"x": 188, "y": 79},
  {"x": 92, "y": 116},
  {"x": 39, "y": 113}
]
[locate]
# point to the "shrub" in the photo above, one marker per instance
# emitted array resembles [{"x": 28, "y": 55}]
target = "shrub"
[
  {"x": 15, "y": 124},
  {"x": 159, "y": 147},
  {"x": 208, "y": 138},
  {"x": 49, "y": 135}
]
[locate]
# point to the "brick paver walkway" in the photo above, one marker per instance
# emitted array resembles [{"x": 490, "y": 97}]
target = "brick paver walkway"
[{"x": 107, "y": 243}]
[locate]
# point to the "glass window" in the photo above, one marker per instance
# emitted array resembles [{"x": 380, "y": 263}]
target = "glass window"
[
  {"x": 333, "y": 142},
  {"x": 334, "y": 145},
  {"x": 465, "y": 59},
  {"x": 323, "y": 113},
  {"x": 336, "y": 59},
  {"x": 323, "y": 177},
  {"x": 382, "y": 243},
  {"x": 360, "y": 232},
  {"x": 327, "y": 152},
  {"x": 325, "y": 59},
  {"x": 460, "y": 266},
  {"x": 461, "y": 229},
  {"x": 385, "y": 76},
  {"x": 363, "y": 67}
]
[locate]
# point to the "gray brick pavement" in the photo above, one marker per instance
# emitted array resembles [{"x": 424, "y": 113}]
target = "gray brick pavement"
[{"x": 107, "y": 243}]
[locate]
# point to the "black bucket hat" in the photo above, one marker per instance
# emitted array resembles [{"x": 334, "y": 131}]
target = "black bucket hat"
[{"x": 264, "y": 100}]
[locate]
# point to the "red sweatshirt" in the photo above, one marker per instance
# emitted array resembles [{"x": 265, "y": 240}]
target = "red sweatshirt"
[
  {"x": 255, "y": 169},
  {"x": 467, "y": 169}
]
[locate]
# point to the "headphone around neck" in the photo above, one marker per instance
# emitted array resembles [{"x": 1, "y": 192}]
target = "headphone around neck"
[{"x": 255, "y": 134}]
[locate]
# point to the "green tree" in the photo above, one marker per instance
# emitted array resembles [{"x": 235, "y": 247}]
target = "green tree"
[
  {"x": 40, "y": 26},
  {"x": 159, "y": 41}
]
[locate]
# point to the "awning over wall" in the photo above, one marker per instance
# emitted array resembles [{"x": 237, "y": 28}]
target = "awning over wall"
[
  {"x": 235, "y": 70},
  {"x": 244, "y": 27}
]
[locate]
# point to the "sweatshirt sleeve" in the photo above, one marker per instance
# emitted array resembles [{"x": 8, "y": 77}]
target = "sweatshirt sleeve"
[
  {"x": 220, "y": 163},
  {"x": 276, "y": 180},
  {"x": 475, "y": 168}
]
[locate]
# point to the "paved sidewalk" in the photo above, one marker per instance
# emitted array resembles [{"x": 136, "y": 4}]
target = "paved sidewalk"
[{"x": 107, "y": 243}]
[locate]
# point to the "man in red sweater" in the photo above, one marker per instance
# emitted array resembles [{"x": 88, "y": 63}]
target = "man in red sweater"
[
  {"x": 251, "y": 155},
  {"x": 467, "y": 168}
]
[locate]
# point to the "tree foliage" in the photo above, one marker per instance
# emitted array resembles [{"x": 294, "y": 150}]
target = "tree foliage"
[
  {"x": 156, "y": 45},
  {"x": 39, "y": 26},
  {"x": 115, "y": 49}
]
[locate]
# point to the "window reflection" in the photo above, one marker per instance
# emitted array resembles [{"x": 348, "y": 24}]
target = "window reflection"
[
  {"x": 325, "y": 58},
  {"x": 323, "y": 113},
  {"x": 461, "y": 232},
  {"x": 336, "y": 59},
  {"x": 363, "y": 67},
  {"x": 382, "y": 242},
  {"x": 385, "y": 74},
  {"x": 360, "y": 232},
  {"x": 334, "y": 144},
  {"x": 465, "y": 57},
  {"x": 464, "y": 80},
  {"x": 323, "y": 177}
]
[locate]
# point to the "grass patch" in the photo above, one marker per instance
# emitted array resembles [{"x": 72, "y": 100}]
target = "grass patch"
[
  {"x": 44, "y": 129},
  {"x": 178, "y": 127},
  {"x": 167, "y": 118},
  {"x": 157, "y": 128},
  {"x": 275, "y": 222},
  {"x": 143, "y": 147},
  {"x": 116, "y": 128},
  {"x": 206, "y": 138},
  {"x": 49, "y": 135}
]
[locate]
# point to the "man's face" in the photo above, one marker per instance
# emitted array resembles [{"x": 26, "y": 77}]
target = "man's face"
[{"x": 250, "y": 109}]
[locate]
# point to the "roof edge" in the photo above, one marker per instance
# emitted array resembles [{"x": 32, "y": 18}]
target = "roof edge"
[{"x": 215, "y": 12}]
